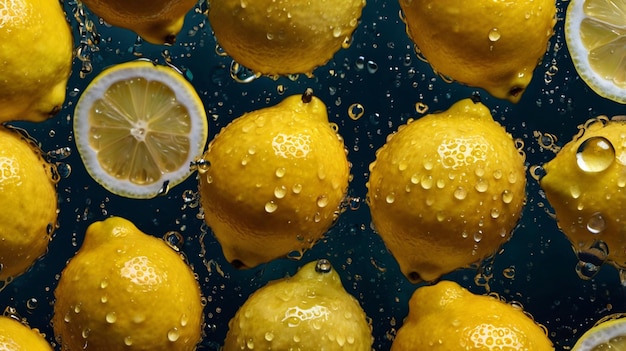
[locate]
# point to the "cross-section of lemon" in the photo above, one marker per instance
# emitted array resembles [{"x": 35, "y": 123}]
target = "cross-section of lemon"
[
  {"x": 595, "y": 32},
  {"x": 138, "y": 127}
]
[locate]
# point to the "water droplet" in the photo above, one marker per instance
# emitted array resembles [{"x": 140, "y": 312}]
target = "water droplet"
[
  {"x": 110, "y": 317},
  {"x": 323, "y": 266},
  {"x": 596, "y": 223},
  {"x": 280, "y": 172},
  {"x": 271, "y": 206},
  {"x": 391, "y": 197},
  {"x": 269, "y": 336},
  {"x": 595, "y": 154},
  {"x": 494, "y": 35},
  {"x": 460, "y": 193},
  {"x": 421, "y": 107},
  {"x": 426, "y": 182},
  {"x": 591, "y": 259},
  {"x": 128, "y": 341},
  {"x": 481, "y": 185},
  {"x": 296, "y": 188},
  {"x": 280, "y": 191},
  {"x": 173, "y": 334},
  {"x": 507, "y": 196},
  {"x": 495, "y": 213}
]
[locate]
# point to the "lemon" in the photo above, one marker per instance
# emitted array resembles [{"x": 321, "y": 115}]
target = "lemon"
[
  {"x": 156, "y": 21},
  {"x": 446, "y": 190},
  {"x": 608, "y": 334},
  {"x": 585, "y": 185},
  {"x": 138, "y": 128},
  {"x": 15, "y": 336},
  {"x": 447, "y": 317},
  {"x": 126, "y": 290},
  {"x": 283, "y": 37},
  {"x": 493, "y": 45},
  {"x": 275, "y": 181},
  {"x": 595, "y": 37},
  {"x": 33, "y": 89},
  {"x": 28, "y": 198},
  {"x": 309, "y": 311}
]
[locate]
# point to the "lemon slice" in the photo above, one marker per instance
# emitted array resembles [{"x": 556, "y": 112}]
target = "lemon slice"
[
  {"x": 138, "y": 127},
  {"x": 595, "y": 32},
  {"x": 606, "y": 335}
]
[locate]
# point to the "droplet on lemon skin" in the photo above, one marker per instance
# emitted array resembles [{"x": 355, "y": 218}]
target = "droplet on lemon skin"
[
  {"x": 446, "y": 316},
  {"x": 584, "y": 184},
  {"x": 123, "y": 288},
  {"x": 286, "y": 194},
  {"x": 456, "y": 198},
  {"x": 309, "y": 311}
]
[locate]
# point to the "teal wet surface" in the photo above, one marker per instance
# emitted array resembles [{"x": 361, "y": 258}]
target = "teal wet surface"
[{"x": 535, "y": 268}]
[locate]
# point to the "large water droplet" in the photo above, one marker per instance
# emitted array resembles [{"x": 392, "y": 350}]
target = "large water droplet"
[{"x": 595, "y": 154}]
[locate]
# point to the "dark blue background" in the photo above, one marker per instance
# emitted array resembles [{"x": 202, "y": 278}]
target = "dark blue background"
[{"x": 544, "y": 280}]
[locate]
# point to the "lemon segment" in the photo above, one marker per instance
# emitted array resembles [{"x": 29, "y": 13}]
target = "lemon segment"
[
  {"x": 125, "y": 289},
  {"x": 15, "y": 336},
  {"x": 448, "y": 317},
  {"x": 606, "y": 335},
  {"x": 138, "y": 127},
  {"x": 446, "y": 190},
  {"x": 309, "y": 311},
  {"x": 596, "y": 38}
]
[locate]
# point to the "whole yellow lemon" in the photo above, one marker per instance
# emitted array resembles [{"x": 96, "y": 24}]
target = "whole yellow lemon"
[
  {"x": 446, "y": 190},
  {"x": 286, "y": 36},
  {"x": 274, "y": 181},
  {"x": 586, "y": 185},
  {"x": 156, "y": 21},
  {"x": 309, "y": 311},
  {"x": 494, "y": 45},
  {"x": 447, "y": 317},
  {"x": 15, "y": 336},
  {"x": 35, "y": 68},
  {"x": 28, "y": 198},
  {"x": 127, "y": 290}
]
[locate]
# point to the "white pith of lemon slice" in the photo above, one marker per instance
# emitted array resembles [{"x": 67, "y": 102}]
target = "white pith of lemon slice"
[
  {"x": 595, "y": 32},
  {"x": 138, "y": 127},
  {"x": 605, "y": 335}
]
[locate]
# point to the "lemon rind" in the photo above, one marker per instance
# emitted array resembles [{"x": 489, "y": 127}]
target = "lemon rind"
[
  {"x": 185, "y": 94},
  {"x": 602, "y": 87},
  {"x": 601, "y": 334}
]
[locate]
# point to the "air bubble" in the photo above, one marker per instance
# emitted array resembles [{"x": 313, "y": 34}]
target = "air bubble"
[
  {"x": 356, "y": 111},
  {"x": 595, "y": 155}
]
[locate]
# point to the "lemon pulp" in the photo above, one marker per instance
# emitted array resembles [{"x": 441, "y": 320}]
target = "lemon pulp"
[{"x": 595, "y": 32}]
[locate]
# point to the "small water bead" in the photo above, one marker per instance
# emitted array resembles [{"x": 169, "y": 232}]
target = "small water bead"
[
  {"x": 322, "y": 201},
  {"x": 494, "y": 34},
  {"x": 595, "y": 154},
  {"x": 128, "y": 341},
  {"x": 269, "y": 336},
  {"x": 111, "y": 317},
  {"x": 460, "y": 193},
  {"x": 296, "y": 188},
  {"x": 596, "y": 223},
  {"x": 280, "y": 191},
  {"x": 173, "y": 334},
  {"x": 481, "y": 185},
  {"x": 390, "y": 198},
  {"x": 427, "y": 182},
  {"x": 507, "y": 196},
  {"x": 495, "y": 213},
  {"x": 280, "y": 172},
  {"x": 271, "y": 206}
]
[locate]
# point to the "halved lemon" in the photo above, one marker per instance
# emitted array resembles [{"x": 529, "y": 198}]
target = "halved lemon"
[
  {"x": 138, "y": 127},
  {"x": 607, "y": 334},
  {"x": 595, "y": 33}
]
